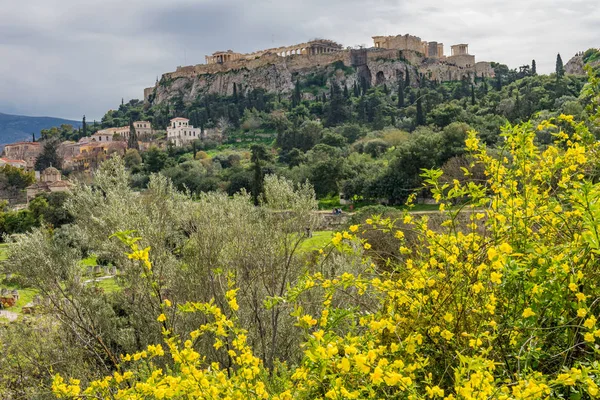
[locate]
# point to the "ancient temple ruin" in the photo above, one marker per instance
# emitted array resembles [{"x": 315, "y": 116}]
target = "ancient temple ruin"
[{"x": 313, "y": 47}]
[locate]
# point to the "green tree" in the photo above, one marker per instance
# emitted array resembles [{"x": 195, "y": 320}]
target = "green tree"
[
  {"x": 154, "y": 160},
  {"x": 533, "y": 68},
  {"x": 560, "y": 67},
  {"x": 260, "y": 154},
  {"x": 84, "y": 127},
  {"x": 420, "y": 113},
  {"x": 49, "y": 156},
  {"x": 400, "y": 95},
  {"x": 132, "y": 141}
]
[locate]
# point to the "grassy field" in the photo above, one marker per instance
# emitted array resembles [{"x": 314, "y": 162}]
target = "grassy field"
[{"x": 318, "y": 240}]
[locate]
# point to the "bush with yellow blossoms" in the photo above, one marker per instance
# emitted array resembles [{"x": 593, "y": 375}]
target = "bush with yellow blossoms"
[{"x": 499, "y": 301}]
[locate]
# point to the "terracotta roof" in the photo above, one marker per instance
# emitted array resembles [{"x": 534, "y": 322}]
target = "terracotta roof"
[
  {"x": 19, "y": 143},
  {"x": 9, "y": 160}
]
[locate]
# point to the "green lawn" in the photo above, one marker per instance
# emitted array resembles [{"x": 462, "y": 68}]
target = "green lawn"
[
  {"x": 318, "y": 240},
  {"x": 109, "y": 285}
]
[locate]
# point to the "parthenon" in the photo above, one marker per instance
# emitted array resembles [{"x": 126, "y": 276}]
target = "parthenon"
[{"x": 313, "y": 47}]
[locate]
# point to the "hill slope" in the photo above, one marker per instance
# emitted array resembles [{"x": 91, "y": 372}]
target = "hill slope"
[{"x": 19, "y": 127}]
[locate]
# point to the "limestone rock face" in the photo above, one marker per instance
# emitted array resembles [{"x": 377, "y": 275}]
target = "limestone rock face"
[
  {"x": 575, "y": 66},
  {"x": 277, "y": 74}
]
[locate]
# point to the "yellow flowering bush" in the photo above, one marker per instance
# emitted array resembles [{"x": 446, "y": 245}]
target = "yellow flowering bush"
[{"x": 498, "y": 302}]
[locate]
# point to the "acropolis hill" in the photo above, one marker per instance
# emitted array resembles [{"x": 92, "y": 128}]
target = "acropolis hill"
[{"x": 277, "y": 69}]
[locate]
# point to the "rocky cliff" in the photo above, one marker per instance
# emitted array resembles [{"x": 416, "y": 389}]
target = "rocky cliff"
[
  {"x": 576, "y": 65},
  {"x": 279, "y": 74}
]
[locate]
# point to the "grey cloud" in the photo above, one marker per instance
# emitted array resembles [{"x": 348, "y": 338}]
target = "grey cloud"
[{"x": 67, "y": 58}]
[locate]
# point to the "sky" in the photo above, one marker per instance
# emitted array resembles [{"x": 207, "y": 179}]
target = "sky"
[{"x": 67, "y": 58}]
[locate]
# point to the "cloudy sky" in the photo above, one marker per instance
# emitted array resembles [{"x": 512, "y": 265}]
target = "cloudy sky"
[{"x": 67, "y": 58}]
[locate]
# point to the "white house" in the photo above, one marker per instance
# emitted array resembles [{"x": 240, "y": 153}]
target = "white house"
[{"x": 180, "y": 132}]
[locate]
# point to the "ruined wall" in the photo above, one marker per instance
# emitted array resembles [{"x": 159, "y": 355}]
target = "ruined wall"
[
  {"x": 400, "y": 42},
  {"x": 462, "y": 60},
  {"x": 484, "y": 68}
]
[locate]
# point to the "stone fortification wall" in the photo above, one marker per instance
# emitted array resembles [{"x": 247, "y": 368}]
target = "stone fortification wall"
[
  {"x": 462, "y": 60},
  {"x": 400, "y": 42},
  {"x": 484, "y": 68}
]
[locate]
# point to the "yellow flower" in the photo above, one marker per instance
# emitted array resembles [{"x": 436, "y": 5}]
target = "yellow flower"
[
  {"x": 448, "y": 317},
  {"x": 369, "y": 221},
  {"x": 590, "y": 322},
  {"x": 589, "y": 337},
  {"x": 495, "y": 277},
  {"x": 573, "y": 286},
  {"x": 528, "y": 313},
  {"x": 353, "y": 228},
  {"x": 161, "y": 318},
  {"x": 399, "y": 235},
  {"x": 308, "y": 320},
  {"x": 446, "y": 334},
  {"x": 582, "y": 312},
  {"x": 344, "y": 365},
  {"x": 434, "y": 391},
  {"x": 367, "y": 246}
]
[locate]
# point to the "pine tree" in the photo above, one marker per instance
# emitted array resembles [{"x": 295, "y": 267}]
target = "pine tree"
[
  {"x": 533, "y": 68},
  {"x": 400, "y": 95},
  {"x": 420, "y": 114},
  {"x": 84, "y": 126},
  {"x": 132, "y": 141},
  {"x": 472, "y": 94},
  {"x": 560, "y": 67}
]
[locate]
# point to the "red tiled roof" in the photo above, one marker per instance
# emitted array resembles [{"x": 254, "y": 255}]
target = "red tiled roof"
[{"x": 19, "y": 143}]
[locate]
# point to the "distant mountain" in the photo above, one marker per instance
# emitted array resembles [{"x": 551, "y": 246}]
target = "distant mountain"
[{"x": 14, "y": 128}]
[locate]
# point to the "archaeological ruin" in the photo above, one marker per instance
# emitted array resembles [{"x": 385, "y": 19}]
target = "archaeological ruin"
[
  {"x": 317, "y": 46},
  {"x": 383, "y": 62}
]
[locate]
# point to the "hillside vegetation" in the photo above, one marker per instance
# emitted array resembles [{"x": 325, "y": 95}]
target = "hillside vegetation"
[{"x": 494, "y": 296}]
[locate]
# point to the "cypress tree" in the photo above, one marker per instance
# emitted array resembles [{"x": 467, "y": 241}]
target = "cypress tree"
[
  {"x": 33, "y": 137},
  {"x": 420, "y": 114},
  {"x": 132, "y": 141},
  {"x": 385, "y": 89},
  {"x": 560, "y": 67},
  {"x": 472, "y": 94},
  {"x": 533, "y": 68},
  {"x": 235, "y": 95},
  {"x": 346, "y": 93},
  {"x": 84, "y": 127},
  {"x": 297, "y": 96},
  {"x": 400, "y": 95},
  {"x": 324, "y": 98},
  {"x": 406, "y": 77},
  {"x": 356, "y": 89}
]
